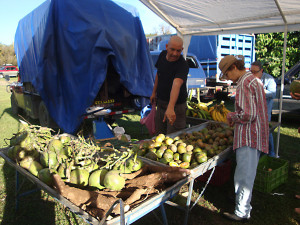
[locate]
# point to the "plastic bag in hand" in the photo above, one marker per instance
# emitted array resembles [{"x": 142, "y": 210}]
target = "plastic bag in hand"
[{"x": 149, "y": 120}]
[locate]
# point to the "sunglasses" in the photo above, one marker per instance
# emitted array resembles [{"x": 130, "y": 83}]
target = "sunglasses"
[{"x": 254, "y": 72}]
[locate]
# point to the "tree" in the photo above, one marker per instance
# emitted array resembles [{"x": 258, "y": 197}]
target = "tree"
[
  {"x": 7, "y": 55},
  {"x": 163, "y": 29},
  {"x": 269, "y": 50}
]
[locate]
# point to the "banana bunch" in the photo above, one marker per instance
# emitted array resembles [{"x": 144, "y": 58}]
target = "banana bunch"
[
  {"x": 194, "y": 110},
  {"x": 219, "y": 112},
  {"x": 198, "y": 110}
]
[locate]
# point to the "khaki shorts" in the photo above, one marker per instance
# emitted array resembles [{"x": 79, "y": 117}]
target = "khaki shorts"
[{"x": 166, "y": 127}]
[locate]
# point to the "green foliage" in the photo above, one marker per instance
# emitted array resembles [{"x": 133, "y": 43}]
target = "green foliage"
[
  {"x": 269, "y": 50},
  {"x": 7, "y": 55}
]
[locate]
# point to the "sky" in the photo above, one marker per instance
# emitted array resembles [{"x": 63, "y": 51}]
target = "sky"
[{"x": 14, "y": 10}]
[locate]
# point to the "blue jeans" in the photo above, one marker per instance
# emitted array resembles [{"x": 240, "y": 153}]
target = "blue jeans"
[
  {"x": 246, "y": 159},
  {"x": 271, "y": 145}
]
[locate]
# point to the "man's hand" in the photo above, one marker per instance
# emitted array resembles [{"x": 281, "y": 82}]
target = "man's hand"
[
  {"x": 295, "y": 96},
  {"x": 153, "y": 99},
  {"x": 170, "y": 115}
]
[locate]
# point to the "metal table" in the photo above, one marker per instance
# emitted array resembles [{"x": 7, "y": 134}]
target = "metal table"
[
  {"x": 143, "y": 208},
  {"x": 200, "y": 169},
  {"x": 125, "y": 218}
]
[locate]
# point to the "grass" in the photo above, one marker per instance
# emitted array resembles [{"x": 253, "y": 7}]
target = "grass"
[{"x": 268, "y": 209}]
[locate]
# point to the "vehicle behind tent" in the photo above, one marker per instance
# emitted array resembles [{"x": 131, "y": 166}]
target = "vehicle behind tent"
[{"x": 77, "y": 54}]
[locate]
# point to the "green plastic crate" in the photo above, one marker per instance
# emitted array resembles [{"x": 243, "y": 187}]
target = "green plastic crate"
[{"x": 267, "y": 180}]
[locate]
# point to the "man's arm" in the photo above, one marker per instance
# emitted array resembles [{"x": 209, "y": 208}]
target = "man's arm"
[
  {"x": 153, "y": 96},
  {"x": 271, "y": 88},
  {"x": 170, "y": 113}
]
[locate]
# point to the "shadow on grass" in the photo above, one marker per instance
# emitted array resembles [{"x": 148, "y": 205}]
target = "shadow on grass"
[
  {"x": 32, "y": 208},
  {"x": 35, "y": 207}
]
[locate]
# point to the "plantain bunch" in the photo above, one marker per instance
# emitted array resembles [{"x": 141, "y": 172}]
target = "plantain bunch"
[
  {"x": 219, "y": 112},
  {"x": 198, "y": 109}
]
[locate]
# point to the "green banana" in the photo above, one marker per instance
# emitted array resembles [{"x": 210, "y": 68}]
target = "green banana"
[{"x": 200, "y": 116}]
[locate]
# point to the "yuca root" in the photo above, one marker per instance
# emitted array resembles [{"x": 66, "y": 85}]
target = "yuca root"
[
  {"x": 83, "y": 197},
  {"x": 170, "y": 174},
  {"x": 99, "y": 202},
  {"x": 126, "y": 192},
  {"x": 151, "y": 180},
  {"x": 136, "y": 195},
  {"x": 158, "y": 178},
  {"x": 140, "y": 172},
  {"x": 95, "y": 212}
]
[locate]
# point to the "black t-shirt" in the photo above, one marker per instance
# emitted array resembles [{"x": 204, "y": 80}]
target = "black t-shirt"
[{"x": 167, "y": 72}]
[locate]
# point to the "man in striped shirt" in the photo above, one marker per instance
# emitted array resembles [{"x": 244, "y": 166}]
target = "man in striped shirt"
[{"x": 251, "y": 131}]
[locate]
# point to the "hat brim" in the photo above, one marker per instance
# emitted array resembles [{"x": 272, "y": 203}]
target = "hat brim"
[{"x": 223, "y": 76}]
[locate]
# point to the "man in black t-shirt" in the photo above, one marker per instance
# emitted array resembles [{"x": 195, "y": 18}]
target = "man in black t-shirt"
[{"x": 169, "y": 89}]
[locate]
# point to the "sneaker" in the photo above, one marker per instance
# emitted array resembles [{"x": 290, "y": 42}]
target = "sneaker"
[{"x": 233, "y": 217}]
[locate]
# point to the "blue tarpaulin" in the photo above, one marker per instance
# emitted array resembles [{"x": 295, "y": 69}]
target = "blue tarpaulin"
[{"x": 63, "y": 48}]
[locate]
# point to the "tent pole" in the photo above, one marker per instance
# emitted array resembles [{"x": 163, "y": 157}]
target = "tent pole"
[{"x": 281, "y": 88}]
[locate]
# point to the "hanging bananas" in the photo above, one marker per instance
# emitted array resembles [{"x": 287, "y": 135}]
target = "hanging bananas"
[
  {"x": 199, "y": 109},
  {"x": 219, "y": 112}
]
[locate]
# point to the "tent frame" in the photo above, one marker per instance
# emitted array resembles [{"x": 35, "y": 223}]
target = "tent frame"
[{"x": 282, "y": 27}]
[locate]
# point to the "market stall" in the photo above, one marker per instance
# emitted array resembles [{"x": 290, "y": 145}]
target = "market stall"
[
  {"x": 193, "y": 17},
  {"x": 144, "y": 206}
]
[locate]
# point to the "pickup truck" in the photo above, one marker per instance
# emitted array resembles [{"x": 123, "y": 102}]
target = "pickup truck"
[
  {"x": 196, "y": 77},
  {"x": 11, "y": 71},
  {"x": 73, "y": 60}
]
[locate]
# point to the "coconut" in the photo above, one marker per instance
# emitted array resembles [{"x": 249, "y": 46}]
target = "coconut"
[
  {"x": 79, "y": 176},
  {"x": 124, "y": 169},
  {"x": 91, "y": 167},
  {"x": 295, "y": 87},
  {"x": 65, "y": 139},
  {"x": 35, "y": 167},
  {"x": 64, "y": 153},
  {"x": 45, "y": 176},
  {"x": 49, "y": 159},
  {"x": 16, "y": 140},
  {"x": 55, "y": 146},
  {"x": 114, "y": 181},
  {"x": 27, "y": 144},
  {"x": 13, "y": 151},
  {"x": 134, "y": 164},
  {"x": 35, "y": 154},
  {"x": 26, "y": 162},
  {"x": 96, "y": 178}
]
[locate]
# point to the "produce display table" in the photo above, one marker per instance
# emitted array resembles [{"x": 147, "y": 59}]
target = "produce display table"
[
  {"x": 192, "y": 121},
  {"x": 144, "y": 207},
  {"x": 202, "y": 168},
  {"x": 199, "y": 170}
]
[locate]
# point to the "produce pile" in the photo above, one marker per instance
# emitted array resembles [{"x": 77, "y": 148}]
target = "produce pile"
[
  {"x": 188, "y": 150},
  {"x": 206, "y": 111},
  {"x": 90, "y": 176}
]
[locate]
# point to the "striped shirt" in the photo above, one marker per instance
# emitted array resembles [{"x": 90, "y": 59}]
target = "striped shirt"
[{"x": 251, "y": 114}]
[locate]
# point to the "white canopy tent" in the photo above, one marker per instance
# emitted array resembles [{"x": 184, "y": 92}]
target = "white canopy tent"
[{"x": 212, "y": 17}]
